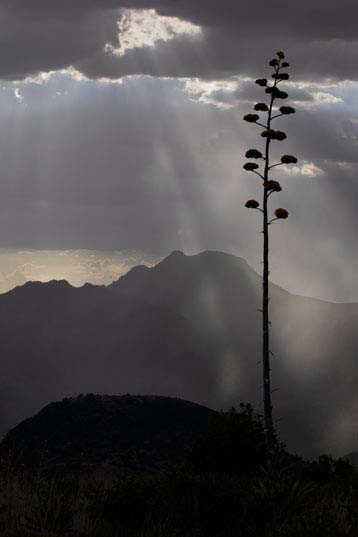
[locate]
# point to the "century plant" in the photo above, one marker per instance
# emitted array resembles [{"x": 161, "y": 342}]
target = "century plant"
[{"x": 271, "y": 111}]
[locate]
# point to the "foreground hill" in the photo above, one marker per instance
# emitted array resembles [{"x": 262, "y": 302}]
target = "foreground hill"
[
  {"x": 102, "y": 432},
  {"x": 187, "y": 328}
]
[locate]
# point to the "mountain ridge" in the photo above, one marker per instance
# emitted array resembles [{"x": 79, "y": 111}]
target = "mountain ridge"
[
  {"x": 144, "y": 268},
  {"x": 188, "y": 327}
]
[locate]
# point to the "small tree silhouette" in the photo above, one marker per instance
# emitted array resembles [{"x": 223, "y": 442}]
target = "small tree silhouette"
[{"x": 271, "y": 112}]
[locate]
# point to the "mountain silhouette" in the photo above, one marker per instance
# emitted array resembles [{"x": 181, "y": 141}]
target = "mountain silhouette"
[{"x": 190, "y": 328}]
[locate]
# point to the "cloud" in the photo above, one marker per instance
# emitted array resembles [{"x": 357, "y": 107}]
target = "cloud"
[
  {"x": 322, "y": 97},
  {"x": 18, "y": 95},
  {"x": 145, "y": 28},
  {"x": 220, "y": 93},
  {"x": 155, "y": 163},
  {"x": 41, "y": 36},
  {"x": 307, "y": 169},
  {"x": 232, "y": 92}
]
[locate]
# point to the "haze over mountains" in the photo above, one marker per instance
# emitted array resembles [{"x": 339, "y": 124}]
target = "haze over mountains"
[{"x": 188, "y": 327}]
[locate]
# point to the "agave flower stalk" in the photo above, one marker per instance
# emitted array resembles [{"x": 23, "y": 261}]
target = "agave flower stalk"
[{"x": 271, "y": 112}]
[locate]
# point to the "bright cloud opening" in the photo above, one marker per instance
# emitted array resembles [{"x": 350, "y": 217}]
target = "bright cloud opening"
[
  {"x": 323, "y": 97},
  {"x": 215, "y": 92},
  {"x": 307, "y": 169},
  {"x": 18, "y": 95},
  {"x": 145, "y": 28}
]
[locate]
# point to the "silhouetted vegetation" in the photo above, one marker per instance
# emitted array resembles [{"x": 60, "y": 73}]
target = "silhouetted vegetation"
[
  {"x": 271, "y": 111},
  {"x": 224, "y": 487},
  {"x": 234, "y": 444}
]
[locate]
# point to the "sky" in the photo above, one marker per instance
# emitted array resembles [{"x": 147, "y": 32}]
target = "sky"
[{"x": 122, "y": 139}]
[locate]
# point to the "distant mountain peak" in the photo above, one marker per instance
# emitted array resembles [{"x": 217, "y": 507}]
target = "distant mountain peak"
[
  {"x": 29, "y": 286},
  {"x": 173, "y": 257},
  {"x": 50, "y": 283},
  {"x": 205, "y": 255},
  {"x": 139, "y": 269},
  {"x": 177, "y": 253}
]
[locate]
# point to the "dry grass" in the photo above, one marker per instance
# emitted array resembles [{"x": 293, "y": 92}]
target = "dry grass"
[{"x": 272, "y": 505}]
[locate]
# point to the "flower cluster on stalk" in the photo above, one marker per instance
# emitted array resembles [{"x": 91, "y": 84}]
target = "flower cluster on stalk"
[{"x": 271, "y": 111}]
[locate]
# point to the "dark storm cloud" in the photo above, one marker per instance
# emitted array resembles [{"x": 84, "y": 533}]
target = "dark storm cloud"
[
  {"x": 32, "y": 45},
  {"x": 320, "y": 36}
]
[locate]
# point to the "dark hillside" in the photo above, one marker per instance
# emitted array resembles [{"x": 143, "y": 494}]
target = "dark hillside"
[{"x": 125, "y": 432}]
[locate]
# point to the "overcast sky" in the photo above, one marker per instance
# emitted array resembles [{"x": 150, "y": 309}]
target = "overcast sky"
[{"x": 121, "y": 131}]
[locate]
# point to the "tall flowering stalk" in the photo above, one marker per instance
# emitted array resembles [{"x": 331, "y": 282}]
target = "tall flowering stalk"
[{"x": 271, "y": 111}]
